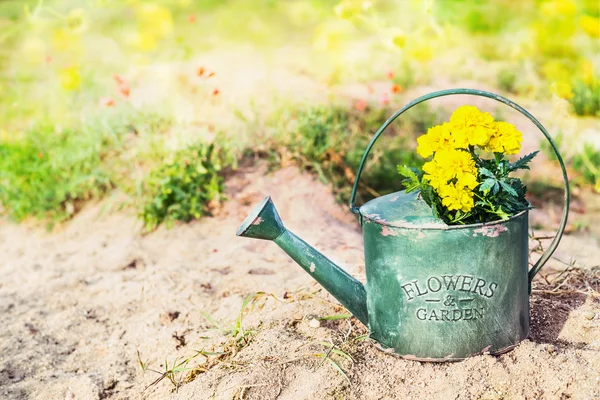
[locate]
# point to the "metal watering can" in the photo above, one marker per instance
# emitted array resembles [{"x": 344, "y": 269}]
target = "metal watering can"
[{"x": 434, "y": 292}]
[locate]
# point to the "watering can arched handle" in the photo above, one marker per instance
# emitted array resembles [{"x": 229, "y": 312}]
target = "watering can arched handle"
[{"x": 563, "y": 222}]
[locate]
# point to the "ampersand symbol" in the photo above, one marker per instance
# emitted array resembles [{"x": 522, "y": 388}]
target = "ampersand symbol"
[{"x": 449, "y": 302}]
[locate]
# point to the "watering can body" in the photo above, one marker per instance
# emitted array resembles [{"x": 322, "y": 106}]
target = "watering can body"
[
  {"x": 433, "y": 292},
  {"x": 443, "y": 293}
]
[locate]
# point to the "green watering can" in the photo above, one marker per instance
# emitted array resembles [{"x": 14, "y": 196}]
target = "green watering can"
[{"x": 434, "y": 292}]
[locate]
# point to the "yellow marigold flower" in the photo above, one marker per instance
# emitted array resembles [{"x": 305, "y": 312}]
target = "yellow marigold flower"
[
  {"x": 458, "y": 161},
  {"x": 69, "y": 78},
  {"x": 436, "y": 175},
  {"x": 507, "y": 139},
  {"x": 467, "y": 181},
  {"x": 470, "y": 126},
  {"x": 437, "y": 137},
  {"x": 448, "y": 164},
  {"x": 456, "y": 198},
  {"x": 590, "y": 25},
  {"x": 562, "y": 90}
]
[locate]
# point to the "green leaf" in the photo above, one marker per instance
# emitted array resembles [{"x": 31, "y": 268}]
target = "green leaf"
[
  {"x": 411, "y": 183},
  {"x": 522, "y": 162},
  {"x": 486, "y": 172},
  {"x": 487, "y": 185},
  {"x": 508, "y": 188},
  {"x": 407, "y": 172}
]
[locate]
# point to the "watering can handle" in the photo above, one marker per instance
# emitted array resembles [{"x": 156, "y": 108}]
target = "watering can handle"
[{"x": 563, "y": 222}]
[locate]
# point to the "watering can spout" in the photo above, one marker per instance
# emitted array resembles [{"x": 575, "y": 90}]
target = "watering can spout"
[{"x": 263, "y": 222}]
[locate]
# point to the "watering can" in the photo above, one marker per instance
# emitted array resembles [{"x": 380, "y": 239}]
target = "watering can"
[{"x": 433, "y": 292}]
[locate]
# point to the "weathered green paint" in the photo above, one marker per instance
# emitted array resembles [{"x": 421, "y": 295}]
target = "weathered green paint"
[
  {"x": 434, "y": 292},
  {"x": 441, "y": 293}
]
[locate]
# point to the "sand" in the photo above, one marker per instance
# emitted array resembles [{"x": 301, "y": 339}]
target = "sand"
[{"x": 87, "y": 308}]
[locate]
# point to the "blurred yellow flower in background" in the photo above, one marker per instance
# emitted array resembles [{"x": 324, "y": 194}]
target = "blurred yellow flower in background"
[
  {"x": 558, "y": 8},
  {"x": 154, "y": 23},
  {"x": 155, "y": 19},
  {"x": 422, "y": 53},
  {"x": 65, "y": 40},
  {"x": 586, "y": 71},
  {"x": 69, "y": 78},
  {"x": 331, "y": 35},
  {"x": 562, "y": 90},
  {"x": 590, "y": 25},
  {"x": 555, "y": 70},
  {"x": 597, "y": 185},
  {"x": 395, "y": 38}
]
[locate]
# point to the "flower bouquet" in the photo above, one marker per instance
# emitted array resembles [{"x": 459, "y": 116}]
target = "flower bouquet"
[{"x": 466, "y": 177}]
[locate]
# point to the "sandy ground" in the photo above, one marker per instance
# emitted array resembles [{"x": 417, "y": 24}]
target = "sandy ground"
[{"x": 82, "y": 309}]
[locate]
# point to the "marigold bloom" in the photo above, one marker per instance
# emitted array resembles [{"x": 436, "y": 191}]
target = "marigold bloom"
[
  {"x": 457, "y": 198},
  {"x": 507, "y": 139},
  {"x": 448, "y": 164},
  {"x": 470, "y": 126},
  {"x": 437, "y": 137}
]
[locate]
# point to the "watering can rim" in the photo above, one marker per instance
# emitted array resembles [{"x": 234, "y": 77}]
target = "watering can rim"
[{"x": 438, "y": 226}]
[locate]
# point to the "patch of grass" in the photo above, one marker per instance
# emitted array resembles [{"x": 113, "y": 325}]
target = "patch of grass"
[
  {"x": 49, "y": 172},
  {"x": 506, "y": 80},
  {"x": 331, "y": 141},
  {"x": 586, "y": 98},
  {"x": 186, "y": 186},
  {"x": 585, "y": 162}
]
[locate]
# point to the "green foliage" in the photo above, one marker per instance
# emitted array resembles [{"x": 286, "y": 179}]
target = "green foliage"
[
  {"x": 498, "y": 196},
  {"x": 507, "y": 80},
  {"x": 331, "y": 142},
  {"x": 585, "y": 162},
  {"x": 586, "y": 99},
  {"x": 180, "y": 189},
  {"x": 48, "y": 173}
]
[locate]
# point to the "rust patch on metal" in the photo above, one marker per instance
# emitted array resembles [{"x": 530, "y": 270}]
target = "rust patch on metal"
[
  {"x": 385, "y": 231},
  {"x": 257, "y": 221},
  {"x": 490, "y": 231}
]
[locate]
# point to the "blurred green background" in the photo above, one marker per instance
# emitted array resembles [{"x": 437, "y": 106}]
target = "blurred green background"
[{"x": 152, "y": 102}]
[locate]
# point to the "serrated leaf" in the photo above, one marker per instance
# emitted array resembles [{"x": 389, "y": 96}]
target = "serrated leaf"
[
  {"x": 407, "y": 172},
  {"x": 486, "y": 172},
  {"x": 522, "y": 162},
  {"x": 487, "y": 184},
  {"x": 508, "y": 188},
  {"x": 496, "y": 188}
]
